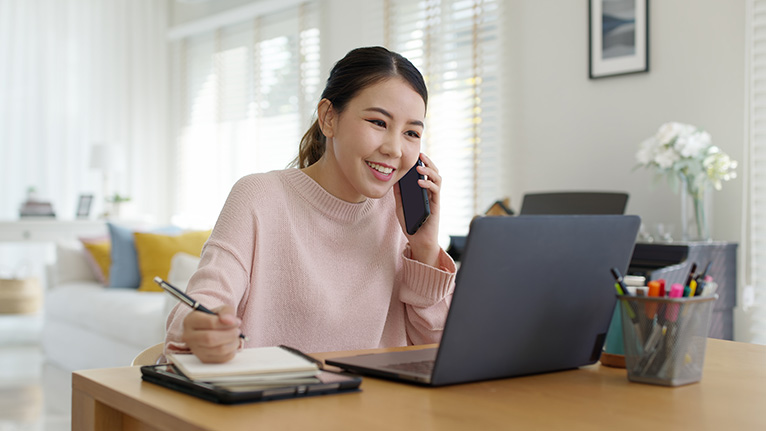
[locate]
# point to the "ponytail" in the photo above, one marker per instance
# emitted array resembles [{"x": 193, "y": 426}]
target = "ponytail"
[{"x": 311, "y": 147}]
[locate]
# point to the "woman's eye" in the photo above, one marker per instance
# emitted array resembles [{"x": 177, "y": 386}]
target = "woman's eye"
[
  {"x": 378, "y": 123},
  {"x": 413, "y": 134}
]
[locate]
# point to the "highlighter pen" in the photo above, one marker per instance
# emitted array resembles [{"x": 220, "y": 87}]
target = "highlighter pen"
[
  {"x": 663, "y": 291},
  {"x": 654, "y": 291},
  {"x": 186, "y": 299},
  {"x": 676, "y": 291}
]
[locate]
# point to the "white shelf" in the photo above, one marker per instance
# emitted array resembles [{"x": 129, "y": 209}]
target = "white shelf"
[{"x": 49, "y": 230}]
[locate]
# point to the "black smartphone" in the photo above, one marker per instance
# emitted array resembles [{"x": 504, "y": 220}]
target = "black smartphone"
[{"x": 414, "y": 200}]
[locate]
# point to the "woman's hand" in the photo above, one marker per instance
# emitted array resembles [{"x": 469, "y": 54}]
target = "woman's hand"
[
  {"x": 425, "y": 243},
  {"x": 213, "y": 338}
]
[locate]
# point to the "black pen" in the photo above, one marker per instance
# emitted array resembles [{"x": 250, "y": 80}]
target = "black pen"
[
  {"x": 186, "y": 299},
  {"x": 619, "y": 282},
  {"x": 701, "y": 279},
  {"x": 630, "y": 307},
  {"x": 701, "y": 276},
  {"x": 691, "y": 274}
]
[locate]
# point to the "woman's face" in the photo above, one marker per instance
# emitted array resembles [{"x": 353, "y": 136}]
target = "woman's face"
[{"x": 375, "y": 140}]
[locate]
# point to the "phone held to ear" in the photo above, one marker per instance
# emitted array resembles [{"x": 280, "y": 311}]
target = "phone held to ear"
[{"x": 414, "y": 199}]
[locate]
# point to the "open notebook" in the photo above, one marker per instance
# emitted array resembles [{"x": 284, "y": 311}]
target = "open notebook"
[{"x": 251, "y": 365}]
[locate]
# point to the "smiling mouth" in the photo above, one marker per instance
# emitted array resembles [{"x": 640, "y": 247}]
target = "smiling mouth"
[{"x": 382, "y": 169}]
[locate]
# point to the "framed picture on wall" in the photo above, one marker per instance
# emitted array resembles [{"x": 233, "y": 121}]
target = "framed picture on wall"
[{"x": 618, "y": 37}]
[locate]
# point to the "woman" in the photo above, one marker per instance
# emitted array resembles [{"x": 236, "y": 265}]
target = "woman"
[{"x": 318, "y": 257}]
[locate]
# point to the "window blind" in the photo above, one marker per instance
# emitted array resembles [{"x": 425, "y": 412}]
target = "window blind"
[
  {"x": 755, "y": 177},
  {"x": 456, "y": 45},
  {"x": 245, "y": 95}
]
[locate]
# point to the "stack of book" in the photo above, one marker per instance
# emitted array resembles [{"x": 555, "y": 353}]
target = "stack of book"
[{"x": 36, "y": 209}]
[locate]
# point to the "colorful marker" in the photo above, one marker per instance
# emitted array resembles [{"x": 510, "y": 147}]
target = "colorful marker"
[
  {"x": 655, "y": 287},
  {"x": 693, "y": 288},
  {"x": 676, "y": 291}
]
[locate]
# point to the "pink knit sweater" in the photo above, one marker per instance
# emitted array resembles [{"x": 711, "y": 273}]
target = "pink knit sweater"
[{"x": 311, "y": 271}]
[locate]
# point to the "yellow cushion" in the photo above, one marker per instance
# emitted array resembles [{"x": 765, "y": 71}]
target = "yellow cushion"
[
  {"x": 154, "y": 252},
  {"x": 99, "y": 257}
]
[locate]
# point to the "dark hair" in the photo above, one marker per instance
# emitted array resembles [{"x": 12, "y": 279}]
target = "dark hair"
[{"x": 359, "y": 69}]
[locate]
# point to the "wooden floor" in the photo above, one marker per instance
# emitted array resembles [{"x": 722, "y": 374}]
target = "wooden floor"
[{"x": 34, "y": 395}]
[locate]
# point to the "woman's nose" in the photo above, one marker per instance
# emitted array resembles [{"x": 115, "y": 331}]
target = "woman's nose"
[{"x": 392, "y": 146}]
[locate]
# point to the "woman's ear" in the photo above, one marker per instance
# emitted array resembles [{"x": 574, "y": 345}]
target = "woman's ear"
[{"x": 326, "y": 116}]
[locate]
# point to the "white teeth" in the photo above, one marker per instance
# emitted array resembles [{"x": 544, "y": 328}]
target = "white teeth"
[{"x": 379, "y": 168}]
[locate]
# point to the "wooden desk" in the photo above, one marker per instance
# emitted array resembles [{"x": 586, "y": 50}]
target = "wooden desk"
[{"x": 731, "y": 395}]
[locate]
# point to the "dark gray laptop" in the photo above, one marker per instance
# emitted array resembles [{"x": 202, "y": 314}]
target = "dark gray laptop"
[
  {"x": 534, "y": 294},
  {"x": 573, "y": 203}
]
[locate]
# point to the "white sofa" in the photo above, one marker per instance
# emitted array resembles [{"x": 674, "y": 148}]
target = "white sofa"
[{"x": 87, "y": 325}]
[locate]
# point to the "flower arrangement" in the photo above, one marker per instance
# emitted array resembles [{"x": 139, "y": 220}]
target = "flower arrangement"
[{"x": 686, "y": 156}]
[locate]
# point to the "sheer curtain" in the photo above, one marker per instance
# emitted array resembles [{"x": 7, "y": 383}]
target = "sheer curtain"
[
  {"x": 457, "y": 46},
  {"x": 754, "y": 273},
  {"x": 243, "y": 95},
  {"x": 76, "y": 72}
]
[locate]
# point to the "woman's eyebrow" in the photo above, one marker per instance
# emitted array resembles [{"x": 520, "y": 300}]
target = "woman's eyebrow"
[{"x": 388, "y": 114}]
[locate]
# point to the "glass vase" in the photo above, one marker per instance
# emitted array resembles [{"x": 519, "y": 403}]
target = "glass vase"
[{"x": 695, "y": 213}]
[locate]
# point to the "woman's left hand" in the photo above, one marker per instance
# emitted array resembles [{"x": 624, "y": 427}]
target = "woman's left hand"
[{"x": 425, "y": 242}]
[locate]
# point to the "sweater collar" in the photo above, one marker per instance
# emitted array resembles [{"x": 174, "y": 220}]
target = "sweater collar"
[{"x": 325, "y": 202}]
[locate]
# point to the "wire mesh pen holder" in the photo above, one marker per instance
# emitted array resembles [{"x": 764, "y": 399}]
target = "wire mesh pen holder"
[{"x": 665, "y": 338}]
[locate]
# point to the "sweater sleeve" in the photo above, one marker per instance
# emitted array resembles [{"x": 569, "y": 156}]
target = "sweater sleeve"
[
  {"x": 426, "y": 293},
  {"x": 218, "y": 281},
  {"x": 223, "y": 275}
]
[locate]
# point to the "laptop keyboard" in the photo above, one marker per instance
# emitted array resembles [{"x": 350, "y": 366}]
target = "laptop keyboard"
[{"x": 418, "y": 367}]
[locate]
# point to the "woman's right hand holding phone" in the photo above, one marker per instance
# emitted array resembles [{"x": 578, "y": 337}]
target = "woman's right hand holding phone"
[
  {"x": 214, "y": 338},
  {"x": 425, "y": 242}
]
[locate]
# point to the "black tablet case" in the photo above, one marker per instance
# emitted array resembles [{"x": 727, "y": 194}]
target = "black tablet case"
[{"x": 168, "y": 376}]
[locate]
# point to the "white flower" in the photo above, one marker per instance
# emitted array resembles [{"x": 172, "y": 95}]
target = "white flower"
[
  {"x": 669, "y": 131},
  {"x": 666, "y": 157},
  {"x": 719, "y": 167},
  {"x": 683, "y": 151},
  {"x": 693, "y": 145},
  {"x": 647, "y": 150}
]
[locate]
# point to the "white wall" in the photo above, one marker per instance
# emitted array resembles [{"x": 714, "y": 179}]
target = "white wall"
[
  {"x": 568, "y": 132},
  {"x": 579, "y": 133},
  {"x": 576, "y": 133}
]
